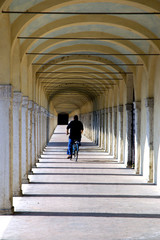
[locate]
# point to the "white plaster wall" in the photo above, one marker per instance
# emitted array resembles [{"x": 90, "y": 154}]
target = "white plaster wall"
[{"x": 156, "y": 139}]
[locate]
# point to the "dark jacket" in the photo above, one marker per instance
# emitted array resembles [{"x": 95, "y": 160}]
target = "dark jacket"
[{"x": 75, "y": 127}]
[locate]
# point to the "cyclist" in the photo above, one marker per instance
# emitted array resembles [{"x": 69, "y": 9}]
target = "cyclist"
[{"x": 76, "y": 129}]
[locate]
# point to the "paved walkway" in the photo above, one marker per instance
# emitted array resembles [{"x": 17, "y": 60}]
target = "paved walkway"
[{"x": 95, "y": 198}]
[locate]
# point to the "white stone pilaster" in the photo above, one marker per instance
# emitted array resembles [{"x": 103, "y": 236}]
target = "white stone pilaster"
[
  {"x": 110, "y": 131},
  {"x": 137, "y": 109},
  {"x": 102, "y": 128},
  {"x": 44, "y": 124},
  {"x": 115, "y": 133},
  {"x": 99, "y": 128},
  {"x": 39, "y": 130},
  {"x": 33, "y": 134},
  {"x": 94, "y": 126},
  {"x": 30, "y": 135},
  {"x": 107, "y": 135},
  {"x": 149, "y": 102},
  {"x": 120, "y": 133},
  {"x": 5, "y": 159},
  {"x": 24, "y": 139},
  {"x": 17, "y": 165},
  {"x": 129, "y": 109},
  {"x": 36, "y": 129}
]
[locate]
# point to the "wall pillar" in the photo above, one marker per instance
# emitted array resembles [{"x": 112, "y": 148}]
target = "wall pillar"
[
  {"x": 137, "y": 109},
  {"x": 41, "y": 126},
  {"x": 150, "y": 120},
  {"x": 17, "y": 99},
  {"x": 120, "y": 134},
  {"x": 5, "y": 151},
  {"x": 115, "y": 133},
  {"x": 24, "y": 140},
  {"x": 105, "y": 121},
  {"x": 107, "y": 134},
  {"x": 110, "y": 130},
  {"x": 39, "y": 130},
  {"x": 33, "y": 135},
  {"x": 129, "y": 134},
  {"x": 36, "y": 130},
  {"x": 29, "y": 135},
  {"x": 102, "y": 128}
]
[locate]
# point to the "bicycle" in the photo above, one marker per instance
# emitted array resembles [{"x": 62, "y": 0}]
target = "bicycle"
[{"x": 75, "y": 150}]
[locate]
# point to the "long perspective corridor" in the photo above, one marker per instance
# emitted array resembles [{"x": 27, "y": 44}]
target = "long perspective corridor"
[
  {"x": 99, "y": 60},
  {"x": 94, "y": 198}
]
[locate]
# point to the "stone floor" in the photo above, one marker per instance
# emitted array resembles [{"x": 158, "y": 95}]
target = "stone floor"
[{"x": 95, "y": 198}]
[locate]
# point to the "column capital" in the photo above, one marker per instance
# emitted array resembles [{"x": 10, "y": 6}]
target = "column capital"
[
  {"x": 115, "y": 109},
  {"x": 120, "y": 108},
  {"x": 149, "y": 102},
  {"x": 137, "y": 105},
  {"x": 102, "y": 111},
  {"x": 17, "y": 97},
  {"x": 129, "y": 107},
  {"x": 30, "y": 105},
  {"x": 24, "y": 101},
  {"x": 110, "y": 109},
  {"x": 5, "y": 91}
]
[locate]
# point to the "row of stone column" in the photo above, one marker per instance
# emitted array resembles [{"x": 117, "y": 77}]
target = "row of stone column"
[
  {"x": 23, "y": 132},
  {"x": 117, "y": 130}
]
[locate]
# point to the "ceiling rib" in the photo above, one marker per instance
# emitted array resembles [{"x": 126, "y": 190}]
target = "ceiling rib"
[
  {"x": 88, "y": 72},
  {"x": 118, "y": 79},
  {"x": 82, "y": 13},
  {"x": 86, "y": 64},
  {"x": 95, "y": 54},
  {"x": 86, "y": 38}
]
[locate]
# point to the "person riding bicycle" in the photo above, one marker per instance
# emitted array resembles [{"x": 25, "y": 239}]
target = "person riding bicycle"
[{"x": 76, "y": 129}]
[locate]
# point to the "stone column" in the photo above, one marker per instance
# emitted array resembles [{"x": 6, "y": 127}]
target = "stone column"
[
  {"x": 17, "y": 99},
  {"x": 45, "y": 126},
  {"x": 137, "y": 109},
  {"x": 36, "y": 108},
  {"x": 39, "y": 130},
  {"x": 129, "y": 109},
  {"x": 107, "y": 135},
  {"x": 115, "y": 133},
  {"x": 150, "y": 121},
  {"x": 33, "y": 134},
  {"x": 24, "y": 140},
  {"x": 5, "y": 151},
  {"x": 30, "y": 135},
  {"x": 99, "y": 128},
  {"x": 41, "y": 126},
  {"x": 94, "y": 126},
  {"x": 102, "y": 128},
  {"x": 120, "y": 134},
  {"x": 110, "y": 131}
]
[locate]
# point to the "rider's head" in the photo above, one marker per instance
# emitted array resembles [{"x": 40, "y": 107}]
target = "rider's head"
[{"x": 75, "y": 117}]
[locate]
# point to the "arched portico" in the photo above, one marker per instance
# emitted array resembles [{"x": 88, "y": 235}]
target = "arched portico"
[{"x": 88, "y": 58}]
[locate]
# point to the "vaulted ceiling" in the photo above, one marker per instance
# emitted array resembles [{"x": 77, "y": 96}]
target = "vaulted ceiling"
[{"x": 80, "y": 49}]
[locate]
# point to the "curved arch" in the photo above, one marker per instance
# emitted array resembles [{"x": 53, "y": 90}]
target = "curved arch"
[
  {"x": 123, "y": 43},
  {"x": 108, "y": 20}
]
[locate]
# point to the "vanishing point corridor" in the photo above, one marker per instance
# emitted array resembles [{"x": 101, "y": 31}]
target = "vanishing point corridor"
[
  {"x": 95, "y": 198},
  {"x": 99, "y": 60}
]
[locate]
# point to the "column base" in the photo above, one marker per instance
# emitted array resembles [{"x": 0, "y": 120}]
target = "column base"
[
  {"x": 150, "y": 181},
  {"x": 8, "y": 211},
  {"x": 17, "y": 193},
  {"x": 25, "y": 180}
]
